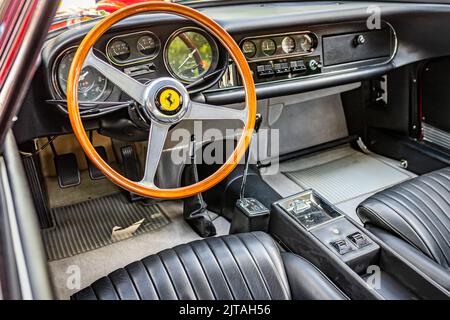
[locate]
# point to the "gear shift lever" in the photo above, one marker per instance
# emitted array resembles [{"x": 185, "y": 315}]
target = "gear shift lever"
[
  {"x": 258, "y": 122},
  {"x": 249, "y": 213}
]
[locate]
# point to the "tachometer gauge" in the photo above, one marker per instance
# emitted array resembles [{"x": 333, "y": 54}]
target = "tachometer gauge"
[
  {"x": 288, "y": 45},
  {"x": 147, "y": 45},
  {"x": 92, "y": 85},
  {"x": 190, "y": 55},
  {"x": 119, "y": 50},
  {"x": 249, "y": 49},
  {"x": 268, "y": 47}
]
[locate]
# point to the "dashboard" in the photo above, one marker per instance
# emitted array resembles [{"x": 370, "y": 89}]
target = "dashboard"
[
  {"x": 195, "y": 58},
  {"x": 291, "y": 48},
  {"x": 188, "y": 54}
]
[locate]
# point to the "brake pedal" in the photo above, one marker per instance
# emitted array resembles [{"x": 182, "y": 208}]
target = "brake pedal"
[
  {"x": 94, "y": 172},
  {"x": 67, "y": 170}
]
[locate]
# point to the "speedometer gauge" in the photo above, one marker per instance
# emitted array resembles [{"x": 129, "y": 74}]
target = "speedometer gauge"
[
  {"x": 92, "y": 85},
  {"x": 190, "y": 55}
]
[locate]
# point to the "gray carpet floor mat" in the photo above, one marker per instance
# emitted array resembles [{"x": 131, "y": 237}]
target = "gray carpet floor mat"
[
  {"x": 100, "y": 222},
  {"x": 348, "y": 176}
]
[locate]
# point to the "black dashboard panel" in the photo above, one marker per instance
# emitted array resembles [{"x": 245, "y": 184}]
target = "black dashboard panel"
[
  {"x": 353, "y": 47},
  {"x": 411, "y": 29}
]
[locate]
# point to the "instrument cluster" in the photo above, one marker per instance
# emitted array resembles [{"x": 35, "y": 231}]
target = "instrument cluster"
[
  {"x": 279, "y": 46},
  {"x": 188, "y": 54}
]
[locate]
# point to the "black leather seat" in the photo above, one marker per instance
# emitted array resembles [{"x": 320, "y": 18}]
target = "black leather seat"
[
  {"x": 414, "y": 218},
  {"x": 242, "y": 267}
]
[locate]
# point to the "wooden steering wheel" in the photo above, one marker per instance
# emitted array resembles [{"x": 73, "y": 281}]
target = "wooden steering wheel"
[{"x": 149, "y": 98}]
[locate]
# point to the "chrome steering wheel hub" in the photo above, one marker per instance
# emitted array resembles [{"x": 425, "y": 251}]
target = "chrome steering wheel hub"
[{"x": 167, "y": 101}]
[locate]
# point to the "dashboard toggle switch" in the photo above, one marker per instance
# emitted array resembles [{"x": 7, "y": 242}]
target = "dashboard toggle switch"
[
  {"x": 358, "y": 239},
  {"x": 342, "y": 246}
]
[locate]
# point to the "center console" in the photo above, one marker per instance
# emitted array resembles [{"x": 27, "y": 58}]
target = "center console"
[
  {"x": 357, "y": 261},
  {"x": 323, "y": 222},
  {"x": 362, "y": 265}
]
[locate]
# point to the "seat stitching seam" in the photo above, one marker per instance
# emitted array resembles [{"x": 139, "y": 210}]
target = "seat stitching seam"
[
  {"x": 257, "y": 267},
  {"x": 432, "y": 234},
  {"x": 239, "y": 268},
  {"x": 133, "y": 284},
  {"x": 168, "y": 275},
  {"x": 287, "y": 290},
  {"x": 204, "y": 271},
  {"x": 396, "y": 230},
  {"x": 151, "y": 279},
  {"x": 95, "y": 293},
  {"x": 413, "y": 204},
  {"x": 409, "y": 224},
  {"x": 114, "y": 286},
  {"x": 187, "y": 274},
  {"x": 441, "y": 184},
  {"x": 221, "y": 270},
  {"x": 440, "y": 208}
]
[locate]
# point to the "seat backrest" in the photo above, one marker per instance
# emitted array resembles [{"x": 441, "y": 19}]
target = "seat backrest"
[
  {"x": 243, "y": 267},
  {"x": 418, "y": 211}
]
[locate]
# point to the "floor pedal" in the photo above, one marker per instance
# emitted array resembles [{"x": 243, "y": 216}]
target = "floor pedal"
[
  {"x": 131, "y": 168},
  {"x": 67, "y": 170},
  {"x": 94, "y": 172}
]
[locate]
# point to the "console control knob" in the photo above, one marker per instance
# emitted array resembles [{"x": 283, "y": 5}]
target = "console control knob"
[
  {"x": 313, "y": 65},
  {"x": 360, "y": 39}
]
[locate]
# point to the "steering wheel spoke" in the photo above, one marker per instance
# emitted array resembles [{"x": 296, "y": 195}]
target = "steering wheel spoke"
[
  {"x": 127, "y": 84},
  {"x": 202, "y": 111},
  {"x": 156, "y": 141}
]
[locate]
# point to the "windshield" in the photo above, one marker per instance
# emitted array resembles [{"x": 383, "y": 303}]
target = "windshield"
[{"x": 74, "y": 12}]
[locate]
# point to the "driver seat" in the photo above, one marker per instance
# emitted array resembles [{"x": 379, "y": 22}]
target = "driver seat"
[{"x": 242, "y": 267}]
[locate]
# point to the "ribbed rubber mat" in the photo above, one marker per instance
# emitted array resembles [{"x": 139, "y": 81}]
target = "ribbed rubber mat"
[
  {"x": 348, "y": 177},
  {"x": 89, "y": 225}
]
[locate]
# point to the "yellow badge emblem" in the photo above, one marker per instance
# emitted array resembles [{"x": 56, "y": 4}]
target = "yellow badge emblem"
[{"x": 169, "y": 100}]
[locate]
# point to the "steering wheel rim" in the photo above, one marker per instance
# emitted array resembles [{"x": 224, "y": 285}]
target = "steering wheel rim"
[{"x": 150, "y": 190}]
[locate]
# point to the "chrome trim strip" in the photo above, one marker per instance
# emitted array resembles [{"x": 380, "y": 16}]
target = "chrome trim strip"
[
  {"x": 436, "y": 136},
  {"x": 19, "y": 256}
]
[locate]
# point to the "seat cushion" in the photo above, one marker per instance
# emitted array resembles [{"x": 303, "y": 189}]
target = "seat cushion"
[
  {"x": 242, "y": 267},
  {"x": 418, "y": 211}
]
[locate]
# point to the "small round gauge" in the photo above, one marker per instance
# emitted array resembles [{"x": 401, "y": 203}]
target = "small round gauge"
[
  {"x": 306, "y": 42},
  {"x": 92, "y": 85},
  {"x": 268, "y": 47},
  {"x": 190, "y": 55},
  {"x": 288, "y": 45},
  {"x": 249, "y": 49},
  {"x": 147, "y": 45},
  {"x": 119, "y": 50}
]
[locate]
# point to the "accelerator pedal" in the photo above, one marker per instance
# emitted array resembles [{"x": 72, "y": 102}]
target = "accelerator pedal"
[
  {"x": 67, "y": 170},
  {"x": 131, "y": 168}
]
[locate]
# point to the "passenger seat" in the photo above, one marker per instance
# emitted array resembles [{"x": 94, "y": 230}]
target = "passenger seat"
[{"x": 414, "y": 219}]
